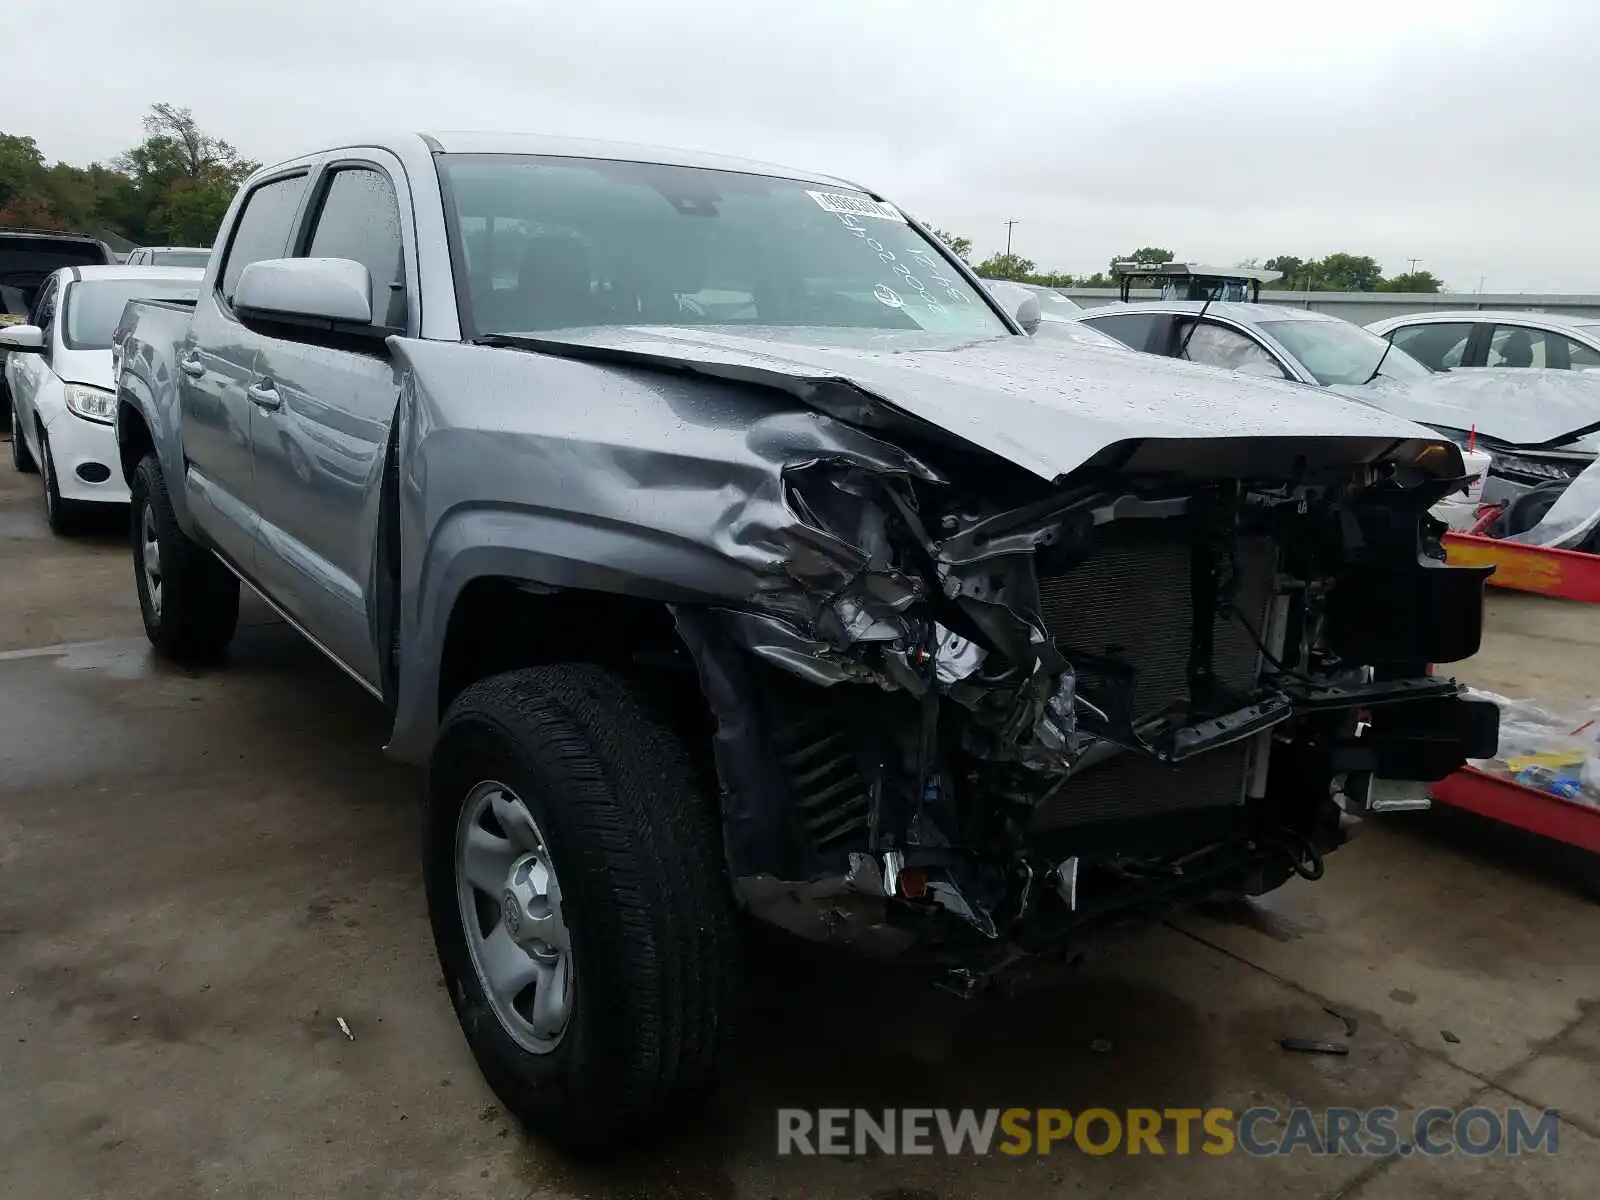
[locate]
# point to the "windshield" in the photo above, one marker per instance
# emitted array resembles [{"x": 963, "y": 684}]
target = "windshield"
[
  {"x": 550, "y": 243},
  {"x": 1339, "y": 352},
  {"x": 95, "y": 306},
  {"x": 180, "y": 258}
]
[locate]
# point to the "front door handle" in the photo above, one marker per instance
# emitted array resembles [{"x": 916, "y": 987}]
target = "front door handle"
[
  {"x": 191, "y": 365},
  {"x": 264, "y": 395}
]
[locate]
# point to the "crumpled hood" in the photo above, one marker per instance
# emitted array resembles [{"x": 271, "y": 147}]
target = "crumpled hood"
[
  {"x": 1520, "y": 405},
  {"x": 1047, "y": 405}
]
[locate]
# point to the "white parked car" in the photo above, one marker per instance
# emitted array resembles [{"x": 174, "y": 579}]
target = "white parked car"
[
  {"x": 63, "y": 393},
  {"x": 1259, "y": 339},
  {"x": 1450, "y": 340}
]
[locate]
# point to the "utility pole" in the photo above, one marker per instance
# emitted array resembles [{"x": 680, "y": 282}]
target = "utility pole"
[
  {"x": 1413, "y": 262},
  {"x": 1009, "y": 224}
]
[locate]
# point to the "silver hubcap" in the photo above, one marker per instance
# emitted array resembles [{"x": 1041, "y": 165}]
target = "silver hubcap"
[
  {"x": 511, "y": 909},
  {"x": 150, "y": 558}
]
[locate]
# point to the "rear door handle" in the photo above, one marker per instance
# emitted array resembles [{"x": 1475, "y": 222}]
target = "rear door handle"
[
  {"x": 263, "y": 395},
  {"x": 191, "y": 366}
]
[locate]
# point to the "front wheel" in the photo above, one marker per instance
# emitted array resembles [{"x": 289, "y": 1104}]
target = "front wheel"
[
  {"x": 20, "y": 458},
  {"x": 65, "y": 517},
  {"x": 578, "y": 904},
  {"x": 188, "y": 599}
]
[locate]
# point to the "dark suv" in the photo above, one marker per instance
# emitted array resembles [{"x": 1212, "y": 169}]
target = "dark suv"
[{"x": 27, "y": 256}]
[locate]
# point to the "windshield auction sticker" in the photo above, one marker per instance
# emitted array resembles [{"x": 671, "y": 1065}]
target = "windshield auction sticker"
[{"x": 856, "y": 206}]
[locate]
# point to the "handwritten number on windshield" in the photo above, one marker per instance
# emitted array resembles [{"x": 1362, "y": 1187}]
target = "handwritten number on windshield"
[{"x": 914, "y": 283}]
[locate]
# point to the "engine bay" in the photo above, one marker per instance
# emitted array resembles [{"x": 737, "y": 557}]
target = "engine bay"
[{"x": 975, "y": 727}]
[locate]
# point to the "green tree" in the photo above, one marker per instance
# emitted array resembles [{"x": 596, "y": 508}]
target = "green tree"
[
  {"x": 1412, "y": 281},
  {"x": 1350, "y": 273},
  {"x": 961, "y": 247},
  {"x": 1006, "y": 266},
  {"x": 189, "y": 213},
  {"x": 175, "y": 147},
  {"x": 182, "y": 178},
  {"x": 1295, "y": 275},
  {"x": 1145, "y": 256},
  {"x": 21, "y": 170},
  {"x": 1098, "y": 280}
]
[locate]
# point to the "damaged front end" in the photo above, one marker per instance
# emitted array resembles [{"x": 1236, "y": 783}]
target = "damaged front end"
[{"x": 972, "y": 723}]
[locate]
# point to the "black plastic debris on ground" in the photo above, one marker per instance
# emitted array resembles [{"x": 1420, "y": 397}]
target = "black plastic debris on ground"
[{"x": 1311, "y": 1046}]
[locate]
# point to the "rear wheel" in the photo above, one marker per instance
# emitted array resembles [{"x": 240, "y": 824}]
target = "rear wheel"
[
  {"x": 578, "y": 904},
  {"x": 188, "y": 599}
]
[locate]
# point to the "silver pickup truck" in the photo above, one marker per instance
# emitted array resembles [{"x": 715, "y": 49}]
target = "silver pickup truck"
[{"x": 722, "y": 544}]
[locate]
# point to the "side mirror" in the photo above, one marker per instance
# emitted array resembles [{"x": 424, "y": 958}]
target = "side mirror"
[
  {"x": 29, "y": 339},
  {"x": 1021, "y": 303},
  {"x": 319, "y": 289}
]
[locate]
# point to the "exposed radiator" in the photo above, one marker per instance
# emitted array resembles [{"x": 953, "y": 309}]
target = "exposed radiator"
[{"x": 1131, "y": 601}]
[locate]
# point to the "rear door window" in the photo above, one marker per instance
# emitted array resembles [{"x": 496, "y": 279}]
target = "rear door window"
[
  {"x": 1581, "y": 357},
  {"x": 1524, "y": 346},
  {"x": 262, "y": 230},
  {"x": 1517, "y": 346},
  {"x": 1437, "y": 344}
]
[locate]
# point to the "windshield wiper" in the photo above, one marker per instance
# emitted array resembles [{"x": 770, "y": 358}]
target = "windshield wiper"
[
  {"x": 1183, "y": 350},
  {"x": 1388, "y": 345}
]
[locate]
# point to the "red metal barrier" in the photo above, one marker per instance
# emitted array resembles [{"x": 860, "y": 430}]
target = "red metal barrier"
[
  {"x": 1512, "y": 804},
  {"x": 1567, "y": 574}
]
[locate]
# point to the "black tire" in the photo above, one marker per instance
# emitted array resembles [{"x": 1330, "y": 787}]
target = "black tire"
[
  {"x": 198, "y": 609},
  {"x": 1528, "y": 509},
  {"x": 65, "y": 517},
  {"x": 21, "y": 459},
  {"x": 638, "y": 854}
]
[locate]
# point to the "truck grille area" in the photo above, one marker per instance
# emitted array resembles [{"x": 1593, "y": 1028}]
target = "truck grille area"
[{"x": 1130, "y": 602}]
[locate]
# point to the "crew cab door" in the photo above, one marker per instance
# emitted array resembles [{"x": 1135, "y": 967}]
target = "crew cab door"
[
  {"x": 216, "y": 365},
  {"x": 322, "y": 407}
]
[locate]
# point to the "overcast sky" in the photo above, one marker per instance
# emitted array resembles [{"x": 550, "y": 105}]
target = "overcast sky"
[{"x": 1465, "y": 134}]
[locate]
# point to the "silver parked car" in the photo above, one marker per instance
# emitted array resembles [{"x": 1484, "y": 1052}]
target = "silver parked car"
[
  {"x": 1448, "y": 340},
  {"x": 1259, "y": 339}
]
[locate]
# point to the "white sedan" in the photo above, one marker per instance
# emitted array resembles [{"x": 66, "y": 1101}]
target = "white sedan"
[
  {"x": 1446, "y": 341},
  {"x": 62, "y": 392}
]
